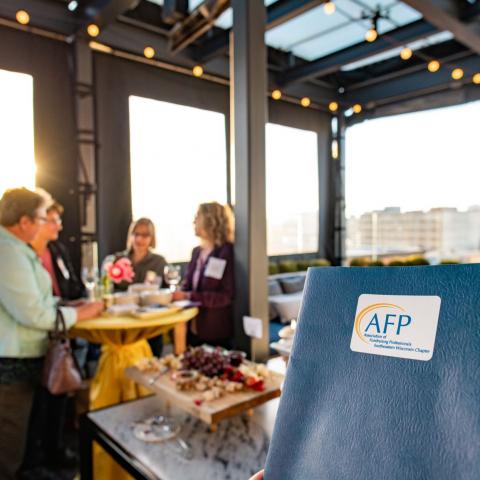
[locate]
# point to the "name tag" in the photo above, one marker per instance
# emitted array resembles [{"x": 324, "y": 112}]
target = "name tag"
[
  {"x": 215, "y": 268},
  {"x": 63, "y": 268}
]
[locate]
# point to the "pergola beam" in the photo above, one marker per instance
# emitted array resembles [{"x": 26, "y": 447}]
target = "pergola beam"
[
  {"x": 104, "y": 12},
  {"x": 196, "y": 24},
  {"x": 415, "y": 84},
  {"x": 277, "y": 13},
  {"x": 444, "y": 14},
  {"x": 334, "y": 62}
]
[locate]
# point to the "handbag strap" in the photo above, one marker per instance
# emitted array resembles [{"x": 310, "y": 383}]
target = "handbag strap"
[{"x": 60, "y": 326}]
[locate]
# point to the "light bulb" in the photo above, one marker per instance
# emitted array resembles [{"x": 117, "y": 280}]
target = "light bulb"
[
  {"x": 305, "y": 102},
  {"x": 357, "y": 108},
  {"x": 197, "y": 71},
  {"x": 476, "y": 79},
  {"x": 276, "y": 94},
  {"x": 22, "y": 17},
  {"x": 406, "y": 53},
  {"x": 433, "y": 66},
  {"x": 93, "y": 30},
  {"x": 149, "y": 52},
  {"x": 457, "y": 74},
  {"x": 333, "y": 106},
  {"x": 329, "y": 8},
  {"x": 371, "y": 35}
]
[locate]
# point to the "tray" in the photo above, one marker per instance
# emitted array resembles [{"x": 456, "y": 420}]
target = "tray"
[{"x": 213, "y": 411}]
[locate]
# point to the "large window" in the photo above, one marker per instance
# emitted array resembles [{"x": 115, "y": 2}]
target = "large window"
[
  {"x": 17, "y": 161},
  {"x": 178, "y": 160},
  {"x": 412, "y": 185},
  {"x": 292, "y": 190}
]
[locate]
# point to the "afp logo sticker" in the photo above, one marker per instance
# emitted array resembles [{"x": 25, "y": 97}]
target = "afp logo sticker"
[{"x": 396, "y": 325}]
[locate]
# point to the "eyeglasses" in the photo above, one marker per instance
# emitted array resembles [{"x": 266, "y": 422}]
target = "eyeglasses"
[
  {"x": 55, "y": 221},
  {"x": 143, "y": 235},
  {"x": 41, "y": 219}
]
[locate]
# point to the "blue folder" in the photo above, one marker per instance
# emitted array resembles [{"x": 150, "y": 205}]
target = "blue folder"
[{"x": 349, "y": 415}]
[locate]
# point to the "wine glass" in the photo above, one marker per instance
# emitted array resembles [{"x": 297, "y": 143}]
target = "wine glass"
[
  {"x": 90, "y": 280},
  {"x": 172, "y": 276}
]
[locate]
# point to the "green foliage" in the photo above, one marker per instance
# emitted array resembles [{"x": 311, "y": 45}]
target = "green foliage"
[
  {"x": 449, "y": 262},
  {"x": 396, "y": 263},
  {"x": 273, "y": 268},
  {"x": 416, "y": 261},
  {"x": 359, "y": 262},
  {"x": 302, "y": 265},
  {"x": 319, "y": 262},
  {"x": 376, "y": 263},
  {"x": 287, "y": 266}
]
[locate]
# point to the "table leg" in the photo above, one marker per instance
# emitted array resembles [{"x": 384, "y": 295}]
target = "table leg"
[
  {"x": 86, "y": 447},
  {"x": 180, "y": 338}
]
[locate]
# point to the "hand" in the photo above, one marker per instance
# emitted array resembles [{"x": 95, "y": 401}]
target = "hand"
[
  {"x": 179, "y": 295},
  {"x": 89, "y": 310},
  {"x": 258, "y": 476},
  {"x": 76, "y": 303}
]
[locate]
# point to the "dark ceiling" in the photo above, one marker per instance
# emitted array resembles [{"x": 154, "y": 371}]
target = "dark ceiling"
[{"x": 310, "y": 53}]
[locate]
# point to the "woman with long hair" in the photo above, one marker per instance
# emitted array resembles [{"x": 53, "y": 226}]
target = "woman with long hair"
[{"x": 210, "y": 276}]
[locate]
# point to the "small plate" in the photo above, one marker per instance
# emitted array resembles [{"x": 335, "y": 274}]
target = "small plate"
[{"x": 155, "y": 429}]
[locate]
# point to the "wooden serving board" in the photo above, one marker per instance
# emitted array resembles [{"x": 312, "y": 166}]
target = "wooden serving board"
[{"x": 211, "y": 412}]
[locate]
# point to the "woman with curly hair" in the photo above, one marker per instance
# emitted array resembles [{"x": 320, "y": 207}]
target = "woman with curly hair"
[{"x": 210, "y": 276}]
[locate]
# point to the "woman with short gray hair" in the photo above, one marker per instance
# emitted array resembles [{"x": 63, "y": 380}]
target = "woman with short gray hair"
[{"x": 27, "y": 314}]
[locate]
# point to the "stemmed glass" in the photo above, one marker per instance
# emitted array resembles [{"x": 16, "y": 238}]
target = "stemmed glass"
[
  {"x": 172, "y": 276},
  {"x": 90, "y": 280}
]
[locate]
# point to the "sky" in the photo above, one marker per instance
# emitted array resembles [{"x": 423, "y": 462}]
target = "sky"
[{"x": 415, "y": 161}]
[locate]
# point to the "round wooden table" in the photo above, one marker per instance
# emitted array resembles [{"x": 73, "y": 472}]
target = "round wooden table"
[{"x": 124, "y": 343}]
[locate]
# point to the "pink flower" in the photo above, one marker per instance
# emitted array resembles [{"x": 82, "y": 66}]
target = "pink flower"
[{"x": 120, "y": 270}]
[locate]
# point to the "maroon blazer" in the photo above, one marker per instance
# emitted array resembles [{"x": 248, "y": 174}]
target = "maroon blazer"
[{"x": 215, "y": 318}]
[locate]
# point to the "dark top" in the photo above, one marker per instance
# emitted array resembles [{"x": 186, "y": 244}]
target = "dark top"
[
  {"x": 71, "y": 288},
  {"x": 151, "y": 261},
  {"x": 215, "y": 318}
]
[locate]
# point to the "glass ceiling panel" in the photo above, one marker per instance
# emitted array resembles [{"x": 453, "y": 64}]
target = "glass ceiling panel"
[
  {"x": 315, "y": 34},
  {"x": 419, "y": 44}
]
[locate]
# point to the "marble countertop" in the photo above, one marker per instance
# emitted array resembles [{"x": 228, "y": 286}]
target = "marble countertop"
[{"x": 236, "y": 451}]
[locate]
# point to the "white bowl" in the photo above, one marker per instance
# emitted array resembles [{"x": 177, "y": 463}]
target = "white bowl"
[
  {"x": 142, "y": 287},
  {"x": 162, "y": 296},
  {"x": 123, "y": 298}
]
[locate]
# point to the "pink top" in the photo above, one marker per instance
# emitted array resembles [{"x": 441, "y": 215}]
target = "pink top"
[{"x": 47, "y": 262}]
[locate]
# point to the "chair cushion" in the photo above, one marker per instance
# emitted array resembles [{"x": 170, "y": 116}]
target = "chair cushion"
[
  {"x": 293, "y": 284},
  {"x": 274, "y": 288},
  {"x": 287, "y": 305}
]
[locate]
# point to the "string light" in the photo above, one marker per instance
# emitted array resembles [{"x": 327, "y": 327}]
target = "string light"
[
  {"x": 73, "y": 5},
  {"x": 357, "y": 108},
  {"x": 371, "y": 35},
  {"x": 277, "y": 94},
  {"x": 476, "y": 79},
  {"x": 93, "y": 30},
  {"x": 149, "y": 52},
  {"x": 433, "y": 66},
  {"x": 329, "y": 8},
  {"x": 333, "y": 106},
  {"x": 457, "y": 73},
  {"x": 197, "y": 71},
  {"x": 22, "y": 17},
  {"x": 406, "y": 53},
  {"x": 305, "y": 102}
]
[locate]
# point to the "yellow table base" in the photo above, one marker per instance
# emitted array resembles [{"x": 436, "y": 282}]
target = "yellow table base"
[{"x": 124, "y": 343}]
